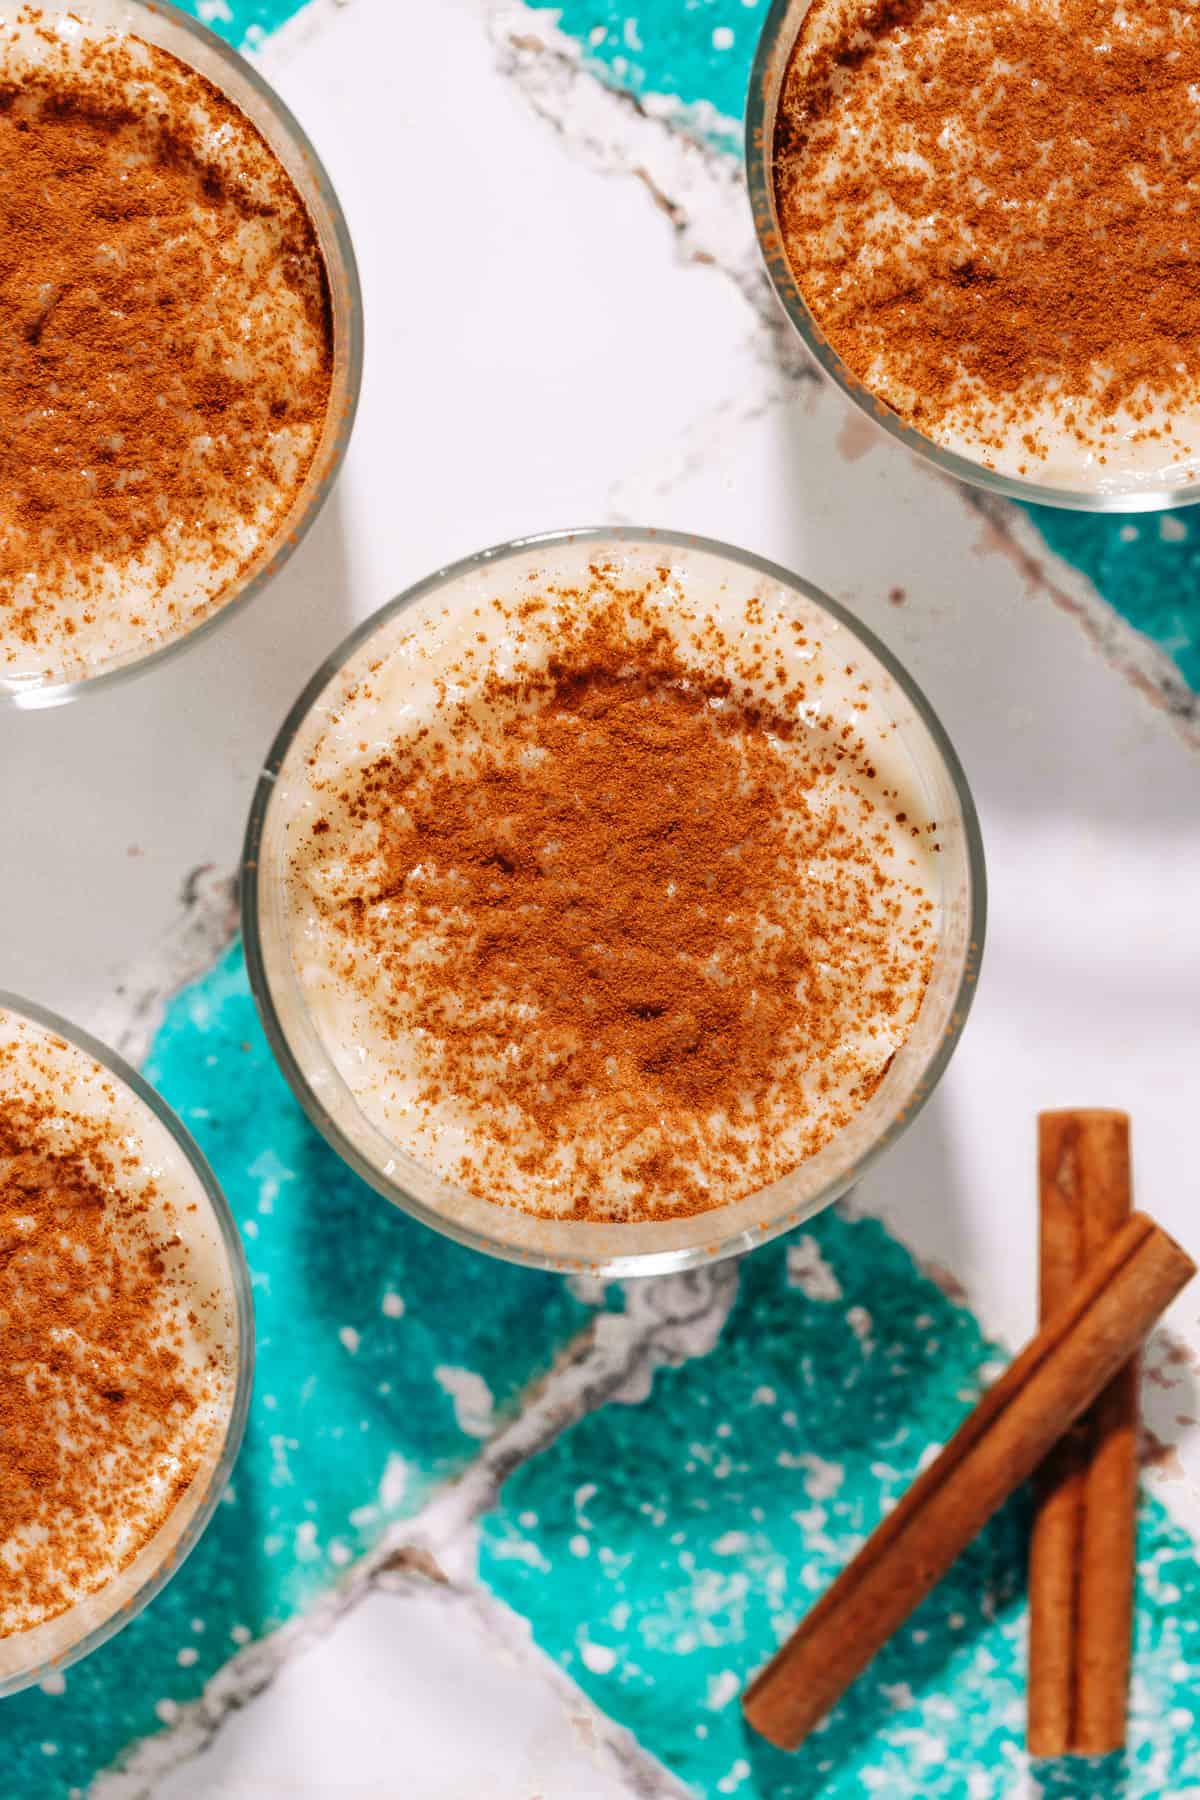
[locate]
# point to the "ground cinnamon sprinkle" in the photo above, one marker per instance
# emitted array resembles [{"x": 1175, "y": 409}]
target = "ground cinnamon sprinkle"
[
  {"x": 166, "y": 344},
  {"x": 103, "y": 1417},
  {"x": 633, "y": 927},
  {"x": 989, "y": 209}
]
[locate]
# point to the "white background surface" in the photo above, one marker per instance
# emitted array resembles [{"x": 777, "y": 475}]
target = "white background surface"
[
  {"x": 537, "y": 356},
  {"x": 409, "y": 1697}
]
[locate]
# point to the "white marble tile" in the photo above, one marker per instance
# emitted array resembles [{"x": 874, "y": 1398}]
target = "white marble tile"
[{"x": 418, "y": 1694}]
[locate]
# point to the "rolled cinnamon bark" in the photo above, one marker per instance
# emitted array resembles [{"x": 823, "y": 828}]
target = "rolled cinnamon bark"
[
  {"x": 1082, "y": 1551},
  {"x": 1055, "y": 1378}
]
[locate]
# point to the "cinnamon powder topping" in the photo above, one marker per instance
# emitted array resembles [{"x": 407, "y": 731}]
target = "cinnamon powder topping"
[
  {"x": 166, "y": 346},
  {"x": 105, "y": 1411},
  {"x": 629, "y": 930},
  {"x": 989, "y": 209}
]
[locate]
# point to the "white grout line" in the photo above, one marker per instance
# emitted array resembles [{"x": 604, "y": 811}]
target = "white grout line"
[
  {"x": 1127, "y": 650},
  {"x": 509, "y": 1632},
  {"x": 695, "y": 184},
  {"x": 403, "y": 1577}
]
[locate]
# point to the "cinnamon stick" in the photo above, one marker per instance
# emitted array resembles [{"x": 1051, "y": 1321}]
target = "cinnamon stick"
[
  {"x": 1081, "y": 1555},
  {"x": 1055, "y": 1378}
]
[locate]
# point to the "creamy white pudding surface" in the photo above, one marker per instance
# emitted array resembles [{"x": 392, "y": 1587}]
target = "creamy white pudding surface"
[
  {"x": 609, "y": 886},
  {"x": 168, "y": 347},
  {"x": 118, "y": 1338}
]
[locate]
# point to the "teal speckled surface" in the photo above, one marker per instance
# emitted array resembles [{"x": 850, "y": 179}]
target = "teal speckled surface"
[
  {"x": 698, "y": 52},
  {"x": 381, "y": 1349},
  {"x": 1147, "y": 567},
  {"x": 663, "y": 1550},
  {"x": 244, "y": 22}
]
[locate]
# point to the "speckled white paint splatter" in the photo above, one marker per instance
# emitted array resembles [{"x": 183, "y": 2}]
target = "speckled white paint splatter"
[
  {"x": 394, "y": 1483},
  {"x": 808, "y": 1270},
  {"x": 474, "y": 1407}
]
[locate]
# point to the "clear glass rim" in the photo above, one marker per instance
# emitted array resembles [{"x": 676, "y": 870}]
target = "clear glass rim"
[
  {"x": 294, "y": 530},
  {"x": 620, "y": 1264},
  {"x": 766, "y": 78},
  {"x": 244, "y": 1307}
]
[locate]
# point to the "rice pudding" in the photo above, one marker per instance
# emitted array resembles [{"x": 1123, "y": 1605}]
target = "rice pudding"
[
  {"x": 119, "y": 1344},
  {"x": 169, "y": 347},
  {"x": 987, "y": 213},
  {"x": 609, "y": 887}
]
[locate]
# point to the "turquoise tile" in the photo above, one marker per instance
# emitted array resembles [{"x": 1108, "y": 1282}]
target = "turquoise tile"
[
  {"x": 698, "y": 52},
  {"x": 243, "y": 22},
  {"x": 661, "y": 1552},
  {"x": 365, "y": 1323},
  {"x": 1146, "y": 566}
]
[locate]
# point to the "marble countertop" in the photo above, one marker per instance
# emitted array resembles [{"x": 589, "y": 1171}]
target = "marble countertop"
[{"x": 494, "y": 1537}]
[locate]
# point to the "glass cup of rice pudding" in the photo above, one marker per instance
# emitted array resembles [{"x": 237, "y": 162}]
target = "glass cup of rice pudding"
[
  {"x": 977, "y": 222},
  {"x": 126, "y": 1344},
  {"x": 185, "y": 351},
  {"x": 612, "y": 899}
]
